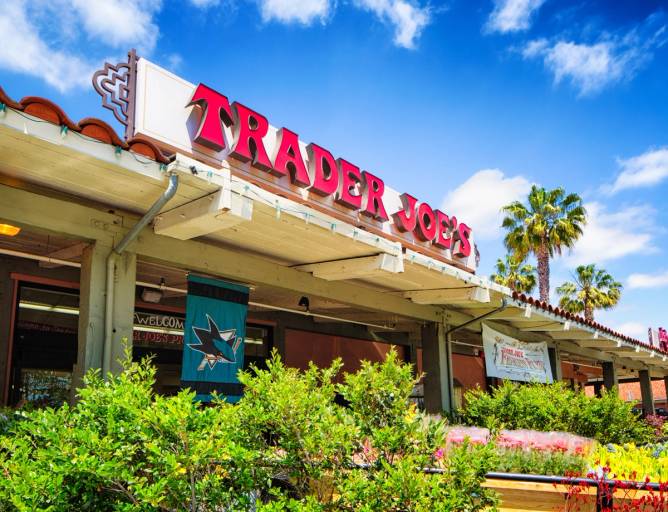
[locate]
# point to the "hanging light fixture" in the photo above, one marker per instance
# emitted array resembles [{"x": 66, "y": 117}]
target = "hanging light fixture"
[{"x": 9, "y": 230}]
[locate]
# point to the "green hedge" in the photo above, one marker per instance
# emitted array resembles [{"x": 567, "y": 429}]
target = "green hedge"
[
  {"x": 286, "y": 446},
  {"x": 556, "y": 407}
]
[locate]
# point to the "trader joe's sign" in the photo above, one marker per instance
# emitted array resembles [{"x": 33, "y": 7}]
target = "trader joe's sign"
[
  {"x": 201, "y": 122},
  {"x": 508, "y": 358}
]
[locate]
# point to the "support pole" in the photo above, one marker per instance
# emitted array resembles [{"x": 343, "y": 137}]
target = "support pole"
[
  {"x": 91, "y": 311},
  {"x": 436, "y": 359},
  {"x": 609, "y": 375},
  {"x": 555, "y": 363},
  {"x": 646, "y": 392}
]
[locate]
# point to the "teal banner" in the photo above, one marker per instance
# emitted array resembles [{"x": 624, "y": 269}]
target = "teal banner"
[{"x": 213, "y": 343}]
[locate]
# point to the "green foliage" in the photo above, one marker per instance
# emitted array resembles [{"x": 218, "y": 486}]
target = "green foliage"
[
  {"x": 290, "y": 420},
  {"x": 515, "y": 273},
  {"x": 540, "y": 462},
  {"x": 124, "y": 448},
  {"x": 398, "y": 487},
  {"x": 555, "y": 407},
  {"x": 287, "y": 446},
  {"x": 593, "y": 289},
  {"x": 550, "y": 221}
]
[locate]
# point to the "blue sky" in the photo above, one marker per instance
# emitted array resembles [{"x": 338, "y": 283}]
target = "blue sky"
[{"x": 462, "y": 103}]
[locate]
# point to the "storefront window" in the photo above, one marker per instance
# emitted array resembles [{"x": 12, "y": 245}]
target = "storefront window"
[{"x": 44, "y": 348}]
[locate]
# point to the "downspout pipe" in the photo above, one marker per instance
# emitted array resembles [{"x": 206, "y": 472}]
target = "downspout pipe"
[{"x": 112, "y": 261}]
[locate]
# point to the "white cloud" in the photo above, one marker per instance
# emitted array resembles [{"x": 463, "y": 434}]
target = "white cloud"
[
  {"x": 512, "y": 15},
  {"x": 592, "y": 67},
  {"x": 607, "y": 235},
  {"x": 304, "y": 12},
  {"x": 478, "y": 201},
  {"x": 120, "y": 23},
  {"x": 633, "y": 329},
  {"x": 643, "y": 170},
  {"x": 51, "y": 40},
  {"x": 204, "y": 4},
  {"x": 23, "y": 51},
  {"x": 408, "y": 18},
  {"x": 659, "y": 280}
]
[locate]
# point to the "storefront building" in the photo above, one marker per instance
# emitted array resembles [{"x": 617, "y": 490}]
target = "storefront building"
[{"x": 99, "y": 233}]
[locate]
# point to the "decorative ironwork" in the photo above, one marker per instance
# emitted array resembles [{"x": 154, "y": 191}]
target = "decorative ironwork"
[{"x": 117, "y": 86}]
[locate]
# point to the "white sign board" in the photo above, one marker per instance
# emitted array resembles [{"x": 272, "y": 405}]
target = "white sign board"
[
  {"x": 508, "y": 358},
  {"x": 163, "y": 114}
]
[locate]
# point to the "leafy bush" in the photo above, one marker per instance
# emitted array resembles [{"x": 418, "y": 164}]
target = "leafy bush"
[
  {"x": 121, "y": 447},
  {"x": 287, "y": 446},
  {"x": 394, "y": 439},
  {"x": 555, "y": 407},
  {"x": 540, "y": 462}
]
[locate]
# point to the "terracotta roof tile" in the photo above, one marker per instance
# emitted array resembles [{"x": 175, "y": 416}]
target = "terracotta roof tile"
[
  {"x": 581, "y": 320},
  {"x": 90, "y": 126}
]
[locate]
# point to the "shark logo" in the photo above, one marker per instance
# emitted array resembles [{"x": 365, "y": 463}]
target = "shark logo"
[{"x": 217, "y": 346}]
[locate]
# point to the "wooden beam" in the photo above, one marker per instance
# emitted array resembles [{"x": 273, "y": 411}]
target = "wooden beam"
[
  {"x": 546, "y": 326},
  {"x": 450, "y": 296},
  {"x": 354, "y": 268},
  {"x": 66, "y": 253},
  {"x": 573, "y": 334},
  {"x": 602, "y": 344},
  {"x": 208, "y": 214},
  {"x": 72, "y": 219}
]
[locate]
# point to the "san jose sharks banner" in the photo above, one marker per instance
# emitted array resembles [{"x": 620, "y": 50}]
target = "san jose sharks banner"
[{"x": 213, "y": 343}]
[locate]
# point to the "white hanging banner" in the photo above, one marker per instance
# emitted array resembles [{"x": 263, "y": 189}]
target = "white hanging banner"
[{"x": 508, "y": 358}]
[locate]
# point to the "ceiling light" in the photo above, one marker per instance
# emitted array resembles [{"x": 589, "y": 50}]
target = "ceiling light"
[
  {"x": 9, "y": 230},
  {"x": 48, "y": 307},
  {"x": 305, "y": 303},
  {"x": 150, "y": 295}
]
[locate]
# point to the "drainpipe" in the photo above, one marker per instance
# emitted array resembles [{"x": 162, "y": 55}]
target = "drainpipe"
[{"x": 112, "y": 260}]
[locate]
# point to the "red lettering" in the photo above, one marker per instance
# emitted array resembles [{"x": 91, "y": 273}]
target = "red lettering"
[
  {"x": 405, "y": 219},
  {"x": 373, "y": 189},
  {"x": 215, "y": 108},
  {"x": 351, "y": 180},
  {"x": 426, "y": 223},
  {"x": 323, "y": 170},
  {"x": 289, "y": 158},
  {"x": 249, "y": 128},
  {"x": 445, "y": 228},
  {"x": 463, "y": 244}
]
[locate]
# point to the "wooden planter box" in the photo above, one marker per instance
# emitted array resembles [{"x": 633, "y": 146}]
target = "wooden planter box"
[{"x": 518, "y": 496}]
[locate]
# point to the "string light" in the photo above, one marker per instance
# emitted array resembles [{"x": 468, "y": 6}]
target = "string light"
[{"x": 142, "y": 160}]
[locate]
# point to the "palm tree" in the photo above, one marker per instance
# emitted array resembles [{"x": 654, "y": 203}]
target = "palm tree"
[
  {"x": 515, "y": 273},
  {"x": 593, "y": 289},
  {"x": 549, "y": 222}
]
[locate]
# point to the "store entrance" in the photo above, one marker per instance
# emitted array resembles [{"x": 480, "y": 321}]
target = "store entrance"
[{"x": 44, "y": 344}]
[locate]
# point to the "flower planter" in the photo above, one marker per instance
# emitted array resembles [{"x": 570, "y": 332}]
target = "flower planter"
[
  {"x": 517, "y": 496},
  {"x": 529, "y": 496}
]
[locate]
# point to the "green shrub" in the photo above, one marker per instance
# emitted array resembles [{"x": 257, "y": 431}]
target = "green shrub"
[
  {"x": 540, "y": 462},
  {"x": 395, "y": 440},
  {"x": 555, "y": 407},
  {"x": 287, "y": 446},
  {"x": 124, "y": 448}
]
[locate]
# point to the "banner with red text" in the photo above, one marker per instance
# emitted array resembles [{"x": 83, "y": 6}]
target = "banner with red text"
[{"x": 508, "y": 358}]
